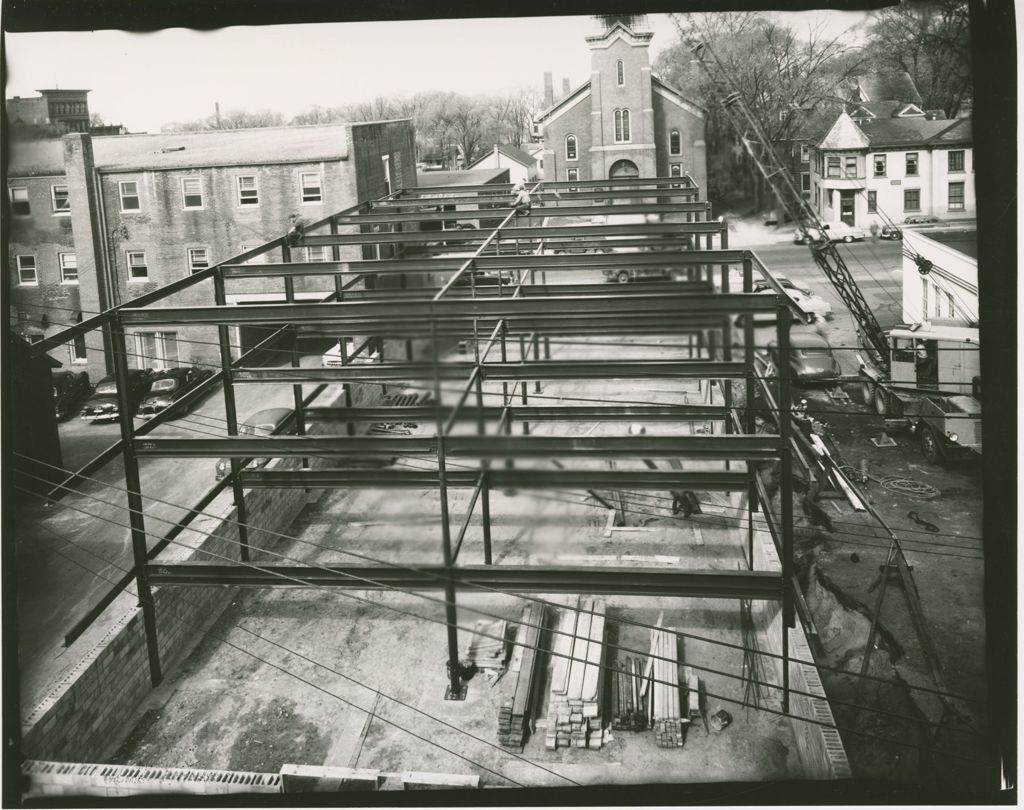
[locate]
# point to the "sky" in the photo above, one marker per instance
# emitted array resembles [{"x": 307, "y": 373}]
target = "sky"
[{"x": 144, "y": 80}]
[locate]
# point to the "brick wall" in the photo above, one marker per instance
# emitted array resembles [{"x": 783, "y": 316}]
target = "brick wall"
[
  {"x": 692, "y": 158},
  {"x": 370, "y": 143},
  {"x": 575, "y": 121}
]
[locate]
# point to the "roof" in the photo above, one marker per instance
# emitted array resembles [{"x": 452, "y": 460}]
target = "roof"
[
  {"x": 184, "y": 150},
  {"x": 509, "y": 151},
  {"x": 916, "y": 131},
  {"x": 467, "y": 177},
  {"x": 844, "y": 134},
  {"x": 883, "y": 86},
  {"x": 568, "y": 100}
]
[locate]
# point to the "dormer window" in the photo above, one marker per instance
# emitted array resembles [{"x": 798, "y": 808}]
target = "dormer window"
[{"x": 620, "y": 73}]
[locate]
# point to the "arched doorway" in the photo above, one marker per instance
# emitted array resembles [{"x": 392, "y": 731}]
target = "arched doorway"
[{"x": 623, "y": 168}]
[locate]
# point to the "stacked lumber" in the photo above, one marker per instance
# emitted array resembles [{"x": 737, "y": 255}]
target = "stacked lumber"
[
  {"x": 577, "y": 679},
  {"x": 487, "y": 645},
  {"x": 629, "y": 698},
  {"x": 514, "y": 714},
  {"x": 666, "y": 716}
]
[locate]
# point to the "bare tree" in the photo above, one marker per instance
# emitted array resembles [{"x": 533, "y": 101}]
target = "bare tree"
[{"x": 233, "y": 119}]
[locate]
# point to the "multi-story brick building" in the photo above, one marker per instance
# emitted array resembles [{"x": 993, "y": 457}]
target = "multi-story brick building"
[
  {"x": 95, "y": 222},
  {"x": 876, "y": 168},
  {"x": 50, "y": 107},
  {"x": 624, "y": 121}
]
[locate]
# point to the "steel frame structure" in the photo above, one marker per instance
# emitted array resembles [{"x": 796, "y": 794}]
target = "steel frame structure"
[{"x": 525, "y": 311}]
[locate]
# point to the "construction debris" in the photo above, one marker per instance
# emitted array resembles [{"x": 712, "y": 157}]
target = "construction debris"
[
  {"x": 487, "y": 646},
  {"x": 577, "y": 679},
  {"x": 514, "y": 714},
  {"x": 668, "y": 720}
]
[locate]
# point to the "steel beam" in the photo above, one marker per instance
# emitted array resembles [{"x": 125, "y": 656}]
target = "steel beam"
[
  {"x": 517, "y": 579},
  {"x": 530, "y": 413},
  {"x": 500, "y": 212}
]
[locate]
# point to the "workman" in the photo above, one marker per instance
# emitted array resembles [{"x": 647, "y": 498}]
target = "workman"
[{"x": 521, "y": 202}]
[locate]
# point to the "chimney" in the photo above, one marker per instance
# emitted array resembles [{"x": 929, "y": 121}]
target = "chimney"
[
  {"x": 565, "y": 87},
  {"x": 549, "y": 90},
  {"x": 216, "y": 108}
]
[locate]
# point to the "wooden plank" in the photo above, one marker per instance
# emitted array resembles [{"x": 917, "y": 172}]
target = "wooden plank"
[
  {"x": 562, "y": 646},
  {"x": 594, "y": 650},
  {"x": 650, "y": 660},
  {"x": 579, "y": 654}
]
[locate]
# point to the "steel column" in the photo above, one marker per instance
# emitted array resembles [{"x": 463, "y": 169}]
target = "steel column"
[
  {"x": 300, "y": 408},
  {"x": 786, "y": 489},
  {"x": 133, "y": 487},
  {"x": 751, "y": 419}
]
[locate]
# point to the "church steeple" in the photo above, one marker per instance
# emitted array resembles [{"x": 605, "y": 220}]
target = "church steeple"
[{"x": 634, "y": 22}]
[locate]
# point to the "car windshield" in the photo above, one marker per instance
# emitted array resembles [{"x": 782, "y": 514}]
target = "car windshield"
[
  {"x": 265, "y": 430},
  {"x": 106, "y": 388},
  {"x": 168, "y": 384}
]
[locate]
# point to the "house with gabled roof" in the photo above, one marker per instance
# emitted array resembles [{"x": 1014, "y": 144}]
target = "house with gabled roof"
[
  {"x": 520, "y": 165},
  {"x": 623, "y": 121}
]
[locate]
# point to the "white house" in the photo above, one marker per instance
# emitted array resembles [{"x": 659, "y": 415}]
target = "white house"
[
  {"x": 520, "y": 165},
  {"x": 949, "y": 288},
  {"x": 874, "y": 166}
]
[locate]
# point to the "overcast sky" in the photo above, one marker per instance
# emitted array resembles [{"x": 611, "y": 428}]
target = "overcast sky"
[{"x": 145, "y": 80}]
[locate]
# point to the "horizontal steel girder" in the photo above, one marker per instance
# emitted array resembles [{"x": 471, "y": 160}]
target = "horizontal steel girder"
[
  {"x": 758, "y": 448},
  {"x": 764, "y": 585},
  {"x": 533, "y": 290},
  {"x": 579, "y": 327},
  {"x": 526, "y": 479},
  {"x": 532, "y": 370},
  {"x": 528, "y": 413},
  {"x": 567, "y": 198},
  {"x": 624, "y": 261},
  {"x": 612, "y": 306},
  {"x": 500, "y": 212},
  {"x": 586, "y": 185}
]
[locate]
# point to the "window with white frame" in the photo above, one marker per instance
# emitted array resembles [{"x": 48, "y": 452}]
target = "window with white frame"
[
  {"x": 68, "y": 268},
  {"x": 198, "y": 259},
  {"x": 572, "y": 174},
  {"x": 805, "y": 181},
  {"x": 622, "y": 134},
  {"x": 872, "y": 202},
  {"x": 77, "y": 349},
  {"x": 19, "y": 202},
  {"x": 248, "y": 191},
  {"x": 27, "y": 274},
  {"x": 674, "y": 144},
  {"x": 386, "y": 162},
  {"x": 805, "y": 153},
  {"x": 912, "y": 164},
  {"x": 956, "y": 196},
  {"x": 570, "y": 147},
  {"x": 850, "y": 166},
  {"x": 310, "y": 190},
  {"x": 834, "y": 165},
  {"x": 138, "y": 270},
  {"x": 129, "y": 191},
  {"x": 880, "y": 167},
  {"x": 157, "y": 350},
  {"x": 61, "y": 200},
  {"x": 675, "y": 170},
  {"x": 192, "y": 192},
  {"x": 955, "y": 160},
  {"x": 912, "y": 199},
  {"x": 317, "y": 253},
  {"x": 620, "y": 73}
]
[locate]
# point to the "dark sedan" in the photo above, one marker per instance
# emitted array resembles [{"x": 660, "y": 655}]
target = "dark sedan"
[
  {"x": 103, "y": 404},
  {"x": 170, "y": 386},
  {"x": 69, "y": 389},
  {"x": 810, "y": 358}
]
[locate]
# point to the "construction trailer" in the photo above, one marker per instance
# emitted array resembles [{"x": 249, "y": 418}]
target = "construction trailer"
[{"x": 401, "y": 303}]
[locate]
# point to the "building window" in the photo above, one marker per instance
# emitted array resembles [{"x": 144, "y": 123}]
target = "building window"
[
  {"x": 248, "y": 191},
  {"x": 27, "y": 276},
  {"x": 675, "y": 170},
  {"x": 912, "y": 164},
  {"x": 61, "y": 200},
  {"x": 912, "y": 199},
  {"x": 674, "y": 146},
  {"x": 309, "y": 187},
  {"x": 158, "y": 350},
  {"x": 198, "y": 260},
  {"x": 570, "y": 147},
  {"x": 834, "y": 166},
  {"x": 851, "y": 165},
  {"x": 880, "y": 165},
  {"x": 622, "y": 126},
  {"x": 68, "y": 268},
  {"x": 620, "y": 73},
  {"x": 386, "y": 162},
  {"x": 192, "y": 192},
  {"x": 805, "y": 153},
  {"x": 805, "y": 181},
  {"x": 317, "y": 253},
  {"x": 260, "y": 259},
  {"x": 137, "y": 269},
  {"x": 955, "y": 161},
  {"x": 19, "y": 202},
  {"x": 572, "y": 175},
  {"x": 956, "y": 196},
  {"x": 77, "y": 347},
  {"x": 129, "y": 195},
  {"x": 872, "y": 202}
]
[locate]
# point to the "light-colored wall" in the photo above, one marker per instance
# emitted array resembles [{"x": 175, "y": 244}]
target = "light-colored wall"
[{"x": 954, "y": 274}]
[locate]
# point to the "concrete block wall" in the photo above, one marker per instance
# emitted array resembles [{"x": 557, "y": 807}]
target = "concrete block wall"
[{"x": 821, "y": 749}]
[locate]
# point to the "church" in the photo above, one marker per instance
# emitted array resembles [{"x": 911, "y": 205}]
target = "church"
[{"x": 624, "y": 122}]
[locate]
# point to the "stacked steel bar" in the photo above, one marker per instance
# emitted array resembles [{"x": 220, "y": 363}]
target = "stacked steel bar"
[
  {"x": 665, "y": 708},
  {"x": 577, "y": 679},
  {"x": 514, "y": 714},
  {"x": 629, "y": 703}
]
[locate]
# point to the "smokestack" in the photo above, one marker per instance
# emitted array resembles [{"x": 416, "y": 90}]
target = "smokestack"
[
  {"x": 549, "y": 90},
  {"x": 216, "y": 110},
  {"x": 565, "y": 87}
]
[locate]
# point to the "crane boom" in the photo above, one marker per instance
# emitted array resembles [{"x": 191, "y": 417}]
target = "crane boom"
[{"x": 778, "y": 176}]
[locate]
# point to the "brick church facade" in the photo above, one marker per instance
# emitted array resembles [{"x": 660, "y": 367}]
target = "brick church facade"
[{"x": 624, "y": 121}]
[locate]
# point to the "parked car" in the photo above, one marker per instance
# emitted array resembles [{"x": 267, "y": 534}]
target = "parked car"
[
  {"x": 804, "y": 296},
  {"x": 170, "y": 386},
  {"x": 103, "y": 404},
  {"x": 890, "y": 232},
  {"x": 267, "y": 422},
  {"x": 810, "y": 358},
  {"x": 837, "y": 232},
  {"x": 922, "y": 219},
  {"x": 69, "y": 389}
]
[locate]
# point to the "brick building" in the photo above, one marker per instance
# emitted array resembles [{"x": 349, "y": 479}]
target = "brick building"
[
  {"x": 99, "y": 221},
  {"x": 50, "y": 107},
  {"x": 623, "y": 121}
]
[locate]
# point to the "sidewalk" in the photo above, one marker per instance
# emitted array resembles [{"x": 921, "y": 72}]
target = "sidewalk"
[{"x": 749, "y": 231}]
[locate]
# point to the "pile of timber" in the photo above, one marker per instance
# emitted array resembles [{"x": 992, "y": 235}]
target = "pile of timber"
[
  {"x": 667, "y": 718},
  {"x": 629, "y": 698},
  {"x": 487, "y": 646},
  {"x": 514, "y": 714},
  {"x": 577, "y": 679}
]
